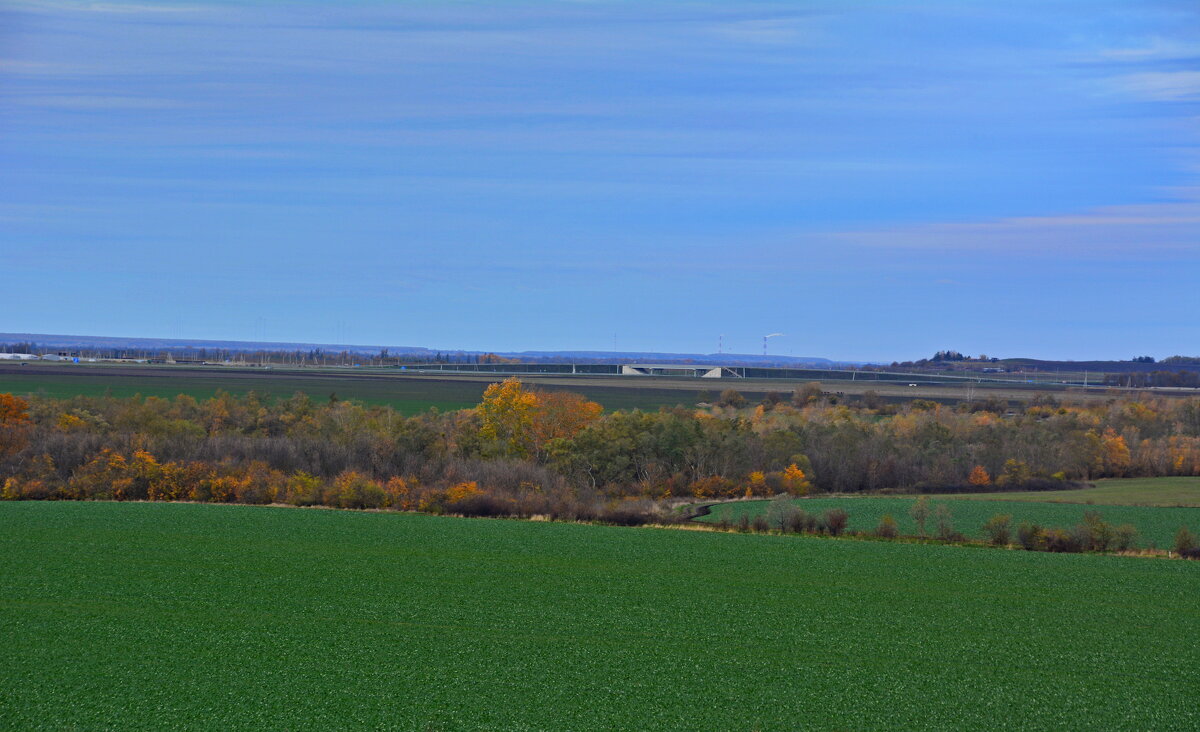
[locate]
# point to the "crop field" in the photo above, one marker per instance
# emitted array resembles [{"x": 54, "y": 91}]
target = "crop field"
[
  {"x": 1170, "y": 491},
  {"x": 407, "y": 394},
  {"x": 1156, "y": 525},
  {"x": 191, "y": 616},
  {"x": 416, "y": 393}
]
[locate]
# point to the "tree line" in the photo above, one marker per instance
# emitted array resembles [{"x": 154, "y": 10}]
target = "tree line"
[{"x": 522, "y": 452}]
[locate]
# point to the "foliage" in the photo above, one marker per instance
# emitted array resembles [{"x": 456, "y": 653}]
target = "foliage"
[
  {"x": 887, "y": 528},
  {"x": 979, "y": 476},
  {"x": 998, "y": 529},
  {"x": 1149, "y": 525},
  {"x": 1185, "y": 540},
  {"x": 247, "y": 448}
]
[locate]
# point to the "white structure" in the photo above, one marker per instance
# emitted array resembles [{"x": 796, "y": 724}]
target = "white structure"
[
  {"x": 17, "y": 357},
  {"x": 675, "y": 369}
]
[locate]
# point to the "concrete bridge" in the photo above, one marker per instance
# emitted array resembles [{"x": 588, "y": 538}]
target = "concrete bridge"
[{"x": 676, "y": 369}]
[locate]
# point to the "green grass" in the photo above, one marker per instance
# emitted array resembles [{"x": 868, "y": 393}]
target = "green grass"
[
  {"x": 1154, "y": 524},
  {"x": 189, "y": 616},
  {"x": 406, "y": 394},
  {"x": 1172, "y": 491}
]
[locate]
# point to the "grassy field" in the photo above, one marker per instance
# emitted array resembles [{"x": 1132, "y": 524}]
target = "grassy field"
[
  {"x": 1173, "y": 491},
  {"x": 408, "y": 394},
  {"x": 1155, "y": 524},
  {"x": 192, "y": 616}
]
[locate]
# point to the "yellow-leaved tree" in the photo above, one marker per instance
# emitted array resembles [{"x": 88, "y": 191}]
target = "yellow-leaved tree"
[
  {"x": 518, "y": 422},
  {"x": 506, "y": 417},
  {"x": 795, "y": 481}
]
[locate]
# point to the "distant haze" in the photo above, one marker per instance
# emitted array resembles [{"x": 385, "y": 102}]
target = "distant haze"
[{"x": 49, "y": 342}]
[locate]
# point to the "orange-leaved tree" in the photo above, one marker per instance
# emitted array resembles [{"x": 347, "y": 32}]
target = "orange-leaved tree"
[
  {"x": 979, "y": 476},
  {"x": 14, "y": 423},
  {"x": 795, "y": 481},
  {"x": 560, "y": 414}
]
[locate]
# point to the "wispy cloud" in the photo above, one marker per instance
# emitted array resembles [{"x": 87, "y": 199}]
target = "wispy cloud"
[
  {"x": 1166, "y": 86},
  {"x": 100, "y": 102},
  {"x": 1139, "y": 230},
  {"x": 1155, "y": 49},
  {"x": 119, "y": 8}
]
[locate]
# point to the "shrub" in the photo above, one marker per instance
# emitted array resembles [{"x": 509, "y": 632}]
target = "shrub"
[
  {"x": 998, "y": 529},
  {"x": 483, "y": 504},
  {"x": 732, "y": 398},
  {"x": 945, "y": 524},
  {"x": 1125, "y": 537},
  {"x": 1057, "y": 540},
  {"x": 1029, "y": 536},
  {"x": 780, "y": 512},
  {"x": 803, "y": 522},
  {"x": 920, "y": 513},
  {"x": 1094, "y": 534},
  {"x": 302, "y": 489},
  {"x": 1185, "y": 540},
  {"x": 624, "y": 516},
  {"x": 835, "y": 520},
  {"x": 760, "y": 524},
  {"x": 887, "y": 528}
]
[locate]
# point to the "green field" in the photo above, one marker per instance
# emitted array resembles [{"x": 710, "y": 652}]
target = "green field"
[
  {"x": 1156, "y": 525},
  {"x": 1172, "y": 491},
  {"x": 407, "y": 394},
  {"x": 190, "y": 616}
]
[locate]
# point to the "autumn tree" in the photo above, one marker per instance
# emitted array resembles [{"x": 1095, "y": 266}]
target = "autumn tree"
[
  {"x": 14, "y": 423},
  {"x": 506, "y": 417},
  {"x": 795, "y": 481},
  {"x": 979, "y": 476},
  {"x": 1016, "y": 473},
  {"x": 560, "y": 414},
  {"x": 1115, "y": 453},
  {"x": 13, "y": 410}
]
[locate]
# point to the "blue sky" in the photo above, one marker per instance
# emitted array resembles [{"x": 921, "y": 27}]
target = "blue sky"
[{"x": 875, "y": 180}]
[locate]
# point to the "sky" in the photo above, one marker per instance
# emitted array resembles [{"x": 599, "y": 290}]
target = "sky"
[{"x": 873, "y": 180}]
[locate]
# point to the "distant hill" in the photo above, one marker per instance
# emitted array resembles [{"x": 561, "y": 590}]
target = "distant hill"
[
  {"x": 50, "y": 342},
  {"x": 724, "y": 359},
  {"x": 1108, "y": 367}
]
